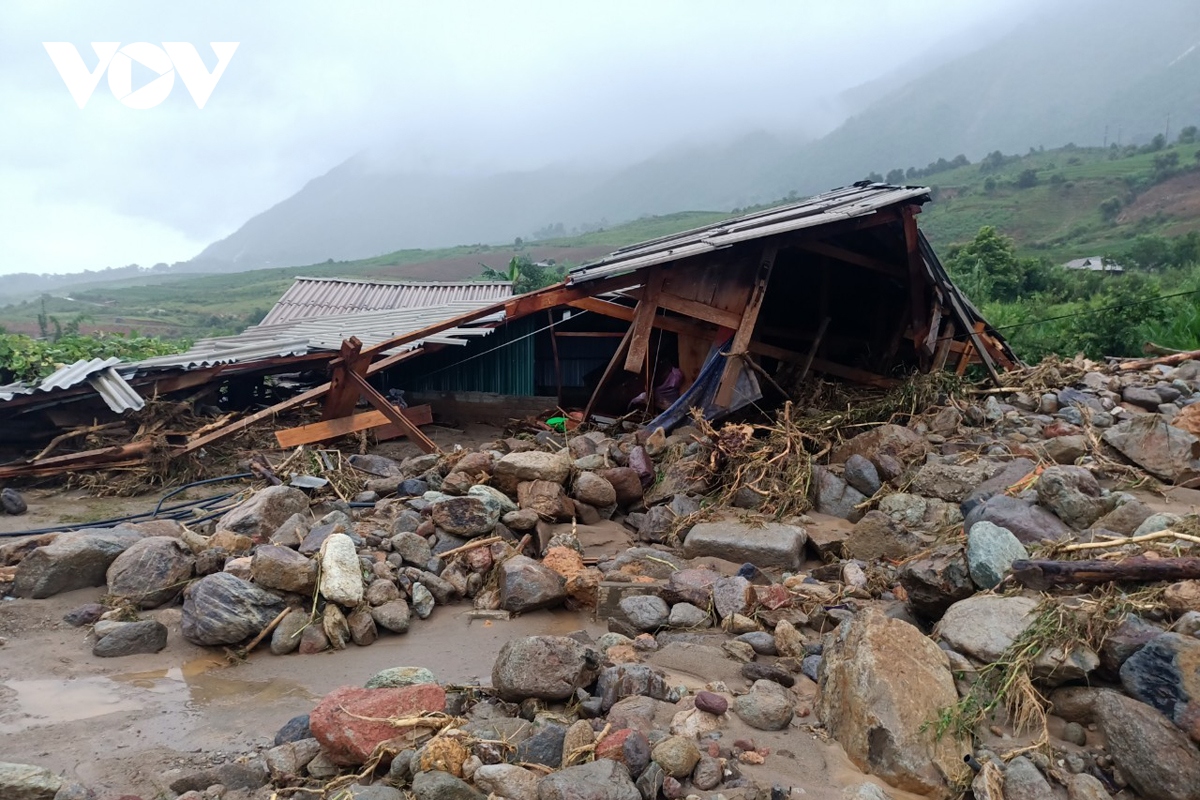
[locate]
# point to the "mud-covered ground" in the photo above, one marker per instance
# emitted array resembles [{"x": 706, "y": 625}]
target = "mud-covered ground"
[{"x": 126, "y": 725}]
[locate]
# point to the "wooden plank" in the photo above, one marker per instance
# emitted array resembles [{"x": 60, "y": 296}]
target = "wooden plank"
[
  {"x": 745, "y": 330},
  {"x": 393, "y": 414},
  {"x": 562, "y": 294},
  {"x": 945, "y": 345},
  {"x": 850, "y": 257},
  {"x": 964, "y": 360},
  {"x": 327, "y": 430},
  {"x": 304, "y": 397},
  {"x": 828, "y": 367},
  {"x": 692, "y": 308},
  {"x": 589, "y": 334},
  {"x": 693, "y": 352},
  {"x": 343, "y": 391},
  {"x": 682, "y": 327},
  {"x": 916, "y": 275},
  {"x": 643, "y": 321},
  {"x": 608, "y": 371}
]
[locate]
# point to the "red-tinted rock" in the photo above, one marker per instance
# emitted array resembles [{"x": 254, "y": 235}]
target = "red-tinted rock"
[
  {"x": 625, "y": 746},
  {"x": 344, "y": 721},
  {"x": 711, "y": 702}
]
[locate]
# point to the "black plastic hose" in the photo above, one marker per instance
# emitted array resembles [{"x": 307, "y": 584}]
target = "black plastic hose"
[{"x": 178, "y": 511}]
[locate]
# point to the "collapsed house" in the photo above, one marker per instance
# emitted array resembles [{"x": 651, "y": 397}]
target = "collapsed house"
[{"x": 843, "y": 284}]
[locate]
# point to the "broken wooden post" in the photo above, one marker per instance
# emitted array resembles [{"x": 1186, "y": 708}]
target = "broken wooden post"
[
  {"x": 1044, "y": 574},
  {"x": 393, "y": 414}
]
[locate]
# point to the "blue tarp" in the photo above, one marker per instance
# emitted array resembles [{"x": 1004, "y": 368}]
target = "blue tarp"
[{"x": 703, "y": 392}]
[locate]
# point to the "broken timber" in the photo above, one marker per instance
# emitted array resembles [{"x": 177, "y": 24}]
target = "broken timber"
[
  {"x": 1045, "y": 574},
  {"x": 326, "y": 430}
]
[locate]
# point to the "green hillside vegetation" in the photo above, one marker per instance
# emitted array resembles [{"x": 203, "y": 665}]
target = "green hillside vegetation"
[{"x": 1003, "y": 225}]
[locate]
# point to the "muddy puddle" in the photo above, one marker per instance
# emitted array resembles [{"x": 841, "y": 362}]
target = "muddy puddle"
[{"x": 181, "y": 693}]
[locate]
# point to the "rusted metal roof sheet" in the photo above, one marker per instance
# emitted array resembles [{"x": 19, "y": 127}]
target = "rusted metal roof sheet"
[
  {"x": 326, "y": 297},
  {"x": 850, "y": 202}
]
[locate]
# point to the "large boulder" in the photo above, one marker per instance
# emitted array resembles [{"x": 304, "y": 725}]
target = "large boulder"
[
  {"x": 341, "y": 573},
  {"x": 985, "y": 626},
  {"x": 351, "y": 722},
  {"x": 275, "y": 567},
  {"x": 889, "y": 447},
  {"x": 991, "y": 550},
  {"x": 1161, "y": 449},
  {"x": 546, "y": 667},
  {"x": 1073, "y": 494},
  {"x": 951, "y": 482},
  {"x": 768, "y": 706},
  {"x": 1165, "y": 673},
  {"x": 469, "y": 516},
  {"x": 72, "y": 561},
  {"x": 601, "y": 779},
  {"x": 531, "y": 465},
  {"x": 937, "y": 580},
  {"x": 1024, "y": 781},
  {"x": 132, "y": 638},
  {"x": 881, "y": 683},
  {"x": 773, "y": 544},
  {"x": 877, "y": 536},
  {"x": 1030, "y": 523},
  {"x": 630, "y": 680},
  {"x": 262, "y": 514},
  {"x": 27, "y": 782},
  {"x": 1154, "y": 756},
  {"x": 152, "y": 571},
  {"x": 507, "y": 780},
  {"x": 833, "y": 496},
  {"x": 547, "y": 498},
  {"x": 224, "y": 609},
  {"x": 527, "y": 585},
  {"x": 1011, "y": 474},
  {"x": 626, "y": 483},
  {"x": 594, "y": 490}
]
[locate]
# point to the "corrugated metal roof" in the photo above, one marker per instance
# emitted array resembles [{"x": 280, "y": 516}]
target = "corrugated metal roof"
[
  {"x": 324, "y": 297},
  {"x": 849, "y": 202},
  {"x": 99, "y": 372},
  {"x": 324, "y": 333},
  {"x": 117, "y": 394},
  {"x": 67, "y": 376}
]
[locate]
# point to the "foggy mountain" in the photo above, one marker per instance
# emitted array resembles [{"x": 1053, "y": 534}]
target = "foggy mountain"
[{"x": 1064, "y": 77}]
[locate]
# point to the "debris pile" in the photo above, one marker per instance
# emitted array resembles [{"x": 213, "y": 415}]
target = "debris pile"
[{"x": 874, "y": 584}]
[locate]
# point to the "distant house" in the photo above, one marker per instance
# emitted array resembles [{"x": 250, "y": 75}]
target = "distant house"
[{"x": 1094, "y": 264}]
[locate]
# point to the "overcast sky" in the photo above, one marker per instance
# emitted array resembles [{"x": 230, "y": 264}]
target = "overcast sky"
[{"x": 441, "y": 86}]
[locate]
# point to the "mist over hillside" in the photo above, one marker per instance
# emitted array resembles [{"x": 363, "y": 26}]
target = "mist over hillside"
[{"x": 1042, "y": 84}]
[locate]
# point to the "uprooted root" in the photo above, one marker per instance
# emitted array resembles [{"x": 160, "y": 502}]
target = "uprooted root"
[{"x": 771, "y": 462}]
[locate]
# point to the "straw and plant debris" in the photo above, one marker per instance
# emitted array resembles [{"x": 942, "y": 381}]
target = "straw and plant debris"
[{"x": 1006, "y": 689}]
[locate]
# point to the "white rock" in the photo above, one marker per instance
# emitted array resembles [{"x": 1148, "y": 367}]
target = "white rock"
[{"x": 341, "y": 577}]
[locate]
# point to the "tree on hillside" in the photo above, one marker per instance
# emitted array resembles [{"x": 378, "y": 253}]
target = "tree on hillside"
[
  {"x": 1027, "y": 179},
  {"x": 1113, "y": 322},
  {"x": 1148, "y": 252},
  {"x": 896, "y": 176},
  {"x": 1188, "y": 134},
  {"x": 987, "y": 268},
  {"x": 525, "y": 275}
]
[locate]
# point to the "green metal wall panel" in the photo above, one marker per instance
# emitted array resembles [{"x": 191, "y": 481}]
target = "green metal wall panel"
[{"x": 501, "y": 362}]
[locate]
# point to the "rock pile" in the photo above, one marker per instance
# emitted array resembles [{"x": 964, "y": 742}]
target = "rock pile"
[{"x": 883, "y": 614}]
